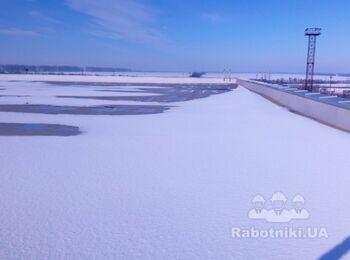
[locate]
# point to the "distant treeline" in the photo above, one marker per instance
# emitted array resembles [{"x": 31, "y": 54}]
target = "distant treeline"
[{"x": 14, "y": 68}]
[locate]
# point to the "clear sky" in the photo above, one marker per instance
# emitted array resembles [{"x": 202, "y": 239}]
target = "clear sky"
[{"x": 175, "y": 35}]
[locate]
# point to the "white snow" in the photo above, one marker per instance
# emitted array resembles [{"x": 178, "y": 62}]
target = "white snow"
[{"x": 172, "y": 185}]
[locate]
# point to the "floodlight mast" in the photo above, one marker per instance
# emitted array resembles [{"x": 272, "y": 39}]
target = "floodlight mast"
[{"x": 312, "y": 33}]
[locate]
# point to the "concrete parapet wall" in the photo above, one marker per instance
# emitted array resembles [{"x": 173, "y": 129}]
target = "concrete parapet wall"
[{"x": 323, "y": 112}]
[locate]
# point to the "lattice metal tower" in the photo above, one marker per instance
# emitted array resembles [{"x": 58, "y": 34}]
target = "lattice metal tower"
[{"x": 312, "y": 33}]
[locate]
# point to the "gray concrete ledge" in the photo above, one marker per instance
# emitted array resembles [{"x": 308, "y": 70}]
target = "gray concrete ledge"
[{"x": 330, "y": 110}]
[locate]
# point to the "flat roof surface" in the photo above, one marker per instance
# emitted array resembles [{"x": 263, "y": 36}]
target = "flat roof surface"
[{"x": 316, "y": 96}]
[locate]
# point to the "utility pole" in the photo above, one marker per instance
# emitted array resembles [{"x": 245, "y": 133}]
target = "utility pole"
[{"x": 312, "y": 33}]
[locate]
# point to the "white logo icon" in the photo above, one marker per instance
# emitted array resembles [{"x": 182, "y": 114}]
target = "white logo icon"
[{"x": 278, "y": 211}]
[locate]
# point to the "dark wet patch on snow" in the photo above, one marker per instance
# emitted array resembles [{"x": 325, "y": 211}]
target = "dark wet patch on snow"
[
  {"x": 14, "y": 95},
  {"x": 100, "y": 84},
  {"x": 85, "y": 110},
  {"x": 165, "y": 93},
  {"x": 19, "y": 129},
  {"x": 117, "y": 84}
]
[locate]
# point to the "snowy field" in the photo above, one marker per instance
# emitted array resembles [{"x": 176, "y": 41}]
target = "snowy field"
[
  {"x": 168, "y": 185},
  {"x": 175, "y": 78},
  {"x": 161, "y": 77}
]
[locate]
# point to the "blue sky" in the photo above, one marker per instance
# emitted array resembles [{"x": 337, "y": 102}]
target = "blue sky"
[{"x": 175, "y": 35}]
